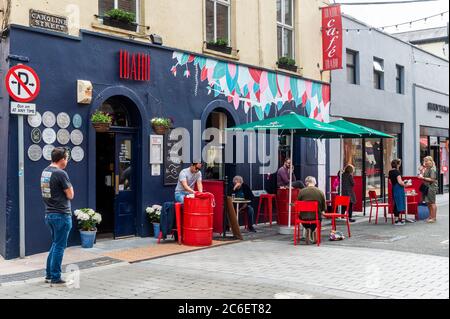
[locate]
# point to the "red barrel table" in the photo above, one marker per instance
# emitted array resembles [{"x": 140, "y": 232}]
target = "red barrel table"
[
  {"x": 283, "y": 205},
  {"x": 197, "y": 222}
]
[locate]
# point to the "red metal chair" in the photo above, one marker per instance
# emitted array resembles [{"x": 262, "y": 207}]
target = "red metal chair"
[
  {"x": 306, "y": 207},
  {"x": 267, "y": 200},
  {"x": 375, "y": 204},
  {"x": 340, "y": 201},
  {"x": 178, "y": 222}
]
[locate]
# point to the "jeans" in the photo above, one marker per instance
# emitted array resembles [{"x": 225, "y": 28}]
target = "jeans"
[
  {"x": 60, "y": 226},
  {"x": 179, "y": 197},
  {"x": 251, "y": 216}
]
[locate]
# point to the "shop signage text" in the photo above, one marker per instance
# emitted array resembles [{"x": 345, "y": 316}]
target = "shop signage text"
[
  {"x": 438, "y": 108},
  {"x": 332, "y": 37},
  {"x": 134, "y": 66},
  {"x": 48, "y": 21},
  {"x": 23, "y": 108}
]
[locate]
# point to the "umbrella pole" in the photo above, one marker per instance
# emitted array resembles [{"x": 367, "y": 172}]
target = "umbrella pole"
[
  {"x": 290, "y": 178},
  {"x": 340, "y": 167}
]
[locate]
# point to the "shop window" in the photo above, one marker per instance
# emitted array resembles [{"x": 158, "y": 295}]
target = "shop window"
[
  {"x": 126, "y": 5},
  {"x": 353, "y": 154},
  {"x": 444, "y": 164},
  {"x": 285, "y": 28},
  {"x": 352, "y": 67},
  {"x": 215, "y": 157},
  {"x": 378, "y": 74},
  {"x": 218, "y": 16},
  {"x": 400, "y": 79}
]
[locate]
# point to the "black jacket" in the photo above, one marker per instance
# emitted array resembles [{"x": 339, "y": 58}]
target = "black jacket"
[{"x": 248, "y": 194}]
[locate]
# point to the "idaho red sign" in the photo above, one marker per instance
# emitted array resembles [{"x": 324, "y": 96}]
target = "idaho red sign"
[
  {"x": 332, "y": 37},
  {"x": 135, "y": 66},
  {"x": 22, "y": 83}
]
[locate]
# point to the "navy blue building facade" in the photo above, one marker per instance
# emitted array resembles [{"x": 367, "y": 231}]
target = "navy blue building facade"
[{"x": 181, "y": 86}]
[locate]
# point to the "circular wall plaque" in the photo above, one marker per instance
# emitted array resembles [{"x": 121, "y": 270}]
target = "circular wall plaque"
[
  {"x": 63, "y": 136},
  {"x": 36, "y": 135},
  {"x": 77, "y": 154},
  {"x": 49, "y": 119},
  {"x": 35, "y": 120},
  {"x": 47, "y": 152},
  {"x": 49, "y": 136},
  {"x": 77, "y": 121},
  {"x": 63, "y": 120},
  {"x": 34, "y": 153},
  {"x": 76, "y": 137}
]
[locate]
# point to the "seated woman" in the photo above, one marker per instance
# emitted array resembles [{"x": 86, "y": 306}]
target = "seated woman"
[
  {"x": 242, "y": 190},
  {"x": 312, "y": 193}
]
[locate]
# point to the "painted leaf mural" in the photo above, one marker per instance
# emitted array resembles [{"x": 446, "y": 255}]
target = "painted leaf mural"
[{"x": 247, "y": 88}]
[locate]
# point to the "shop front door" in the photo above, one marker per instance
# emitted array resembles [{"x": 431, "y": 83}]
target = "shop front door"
[{"x": 125, "y": 185}]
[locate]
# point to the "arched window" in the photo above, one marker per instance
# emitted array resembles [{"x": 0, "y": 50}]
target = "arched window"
[{"x": 116, "y": 107}]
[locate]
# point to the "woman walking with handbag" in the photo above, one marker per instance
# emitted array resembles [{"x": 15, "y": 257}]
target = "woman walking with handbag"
[
  {"x": 429, "y": 178},
  {"x": 398, "y": 191}
]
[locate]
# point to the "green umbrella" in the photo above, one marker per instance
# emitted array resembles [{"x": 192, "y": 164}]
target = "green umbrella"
[
  {"x": 301, "y": 126},
  {"x": 363, "y": 131}
]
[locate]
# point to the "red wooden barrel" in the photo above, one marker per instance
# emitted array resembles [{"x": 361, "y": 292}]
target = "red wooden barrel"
[{"x": 197, "y": 222}]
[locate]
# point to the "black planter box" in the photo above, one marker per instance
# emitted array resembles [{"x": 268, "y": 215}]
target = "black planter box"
[
  {"x": 119, "y": 24},
  {"x": 219, "y": 48},
  {"x": 292, "y": 68}
]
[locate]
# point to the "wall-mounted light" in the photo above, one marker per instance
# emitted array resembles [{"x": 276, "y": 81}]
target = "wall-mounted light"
[{"x": 156, "y": 39}]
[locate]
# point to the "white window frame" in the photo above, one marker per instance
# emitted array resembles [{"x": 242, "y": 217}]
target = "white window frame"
[
  {"x": 116, "y": 6},
  {"x": 226, "y": 3},
  {"x": 284, "y": 26}
]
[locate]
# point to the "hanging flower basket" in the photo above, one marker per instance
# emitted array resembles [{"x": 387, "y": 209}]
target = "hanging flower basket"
[
  {"x": 101, "y": 127},
  {"x": 101, "y": 121},
  {"x": 161, "y": 125}
]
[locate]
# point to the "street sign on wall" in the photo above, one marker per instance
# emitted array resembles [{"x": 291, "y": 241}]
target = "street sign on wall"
[
  {"x": 23, "y": 108},
  {"x": 22, "y": 83}
]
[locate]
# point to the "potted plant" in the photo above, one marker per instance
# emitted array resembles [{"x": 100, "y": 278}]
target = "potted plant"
[
  {"x": 120, "y": 19},
  {"x": 221, "y": 45},
  {"x": 87, "y": 222},
  {"x": 154, "y": 213},
  {"x": 161, "y": 125},
  {"x": 101, "y": 121},
  {"x": 287, "y": 64}
]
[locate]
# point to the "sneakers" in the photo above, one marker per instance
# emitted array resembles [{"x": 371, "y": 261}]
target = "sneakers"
[
  {"x": 351, "y": 220},
  {"x": 48, "y": 280},
  {"x": 399, "y": 223},
  {"x": 58, "y": 282},
  {"x": 252, "y": 230}
]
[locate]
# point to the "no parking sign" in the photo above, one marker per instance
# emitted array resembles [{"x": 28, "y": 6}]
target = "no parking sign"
[{"x": 22, "y": 83}]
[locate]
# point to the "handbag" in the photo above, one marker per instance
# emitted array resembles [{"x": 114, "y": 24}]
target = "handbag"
[{"x": 424, "y": 189}]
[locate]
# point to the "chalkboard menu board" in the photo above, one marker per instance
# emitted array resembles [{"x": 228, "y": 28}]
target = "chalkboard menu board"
[{"x": 172, "y": 167}]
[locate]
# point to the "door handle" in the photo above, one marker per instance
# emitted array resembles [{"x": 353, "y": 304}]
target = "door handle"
[{"x": 117, "y": 184}]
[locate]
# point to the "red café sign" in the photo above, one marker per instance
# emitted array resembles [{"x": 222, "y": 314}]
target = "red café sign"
[
  {"x": 134, "y": 66},
  {"x": 332, "y": 37}
]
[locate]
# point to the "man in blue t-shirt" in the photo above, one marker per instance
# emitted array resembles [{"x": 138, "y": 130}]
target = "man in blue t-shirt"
[{"x": 57, "y": 192}]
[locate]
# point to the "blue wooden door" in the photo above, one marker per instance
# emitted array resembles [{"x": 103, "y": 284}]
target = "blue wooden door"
[{"x": 125, "y": 186}]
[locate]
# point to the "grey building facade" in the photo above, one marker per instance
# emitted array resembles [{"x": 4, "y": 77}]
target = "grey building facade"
[{"x": 395, "y": 87}]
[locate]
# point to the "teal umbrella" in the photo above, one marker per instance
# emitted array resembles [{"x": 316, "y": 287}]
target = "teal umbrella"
[{"x": 300, "y": 126}]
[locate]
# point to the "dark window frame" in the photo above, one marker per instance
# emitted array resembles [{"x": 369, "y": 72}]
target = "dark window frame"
[
  {"x": 354, "y": 66},
  {"x": 400, "y": 79}
]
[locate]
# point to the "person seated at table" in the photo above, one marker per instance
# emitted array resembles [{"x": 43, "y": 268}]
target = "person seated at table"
[
  {"x": 243, "y": 191},
  {"x": 186, "y": 182},
  {"x": 312, "y": 193},
  {"x": 283, "y": 174}
]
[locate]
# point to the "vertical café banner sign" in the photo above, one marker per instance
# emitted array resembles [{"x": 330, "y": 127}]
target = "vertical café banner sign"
[{"x": 332, "y": 37}]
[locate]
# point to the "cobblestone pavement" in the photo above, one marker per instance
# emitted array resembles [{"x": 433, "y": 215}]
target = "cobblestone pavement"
[
  {"x": 381, "y": 261},
  {"x": 269, "y": 268}
]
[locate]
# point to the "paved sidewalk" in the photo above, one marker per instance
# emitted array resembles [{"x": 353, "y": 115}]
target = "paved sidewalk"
[{"x": 262, "y": 268}]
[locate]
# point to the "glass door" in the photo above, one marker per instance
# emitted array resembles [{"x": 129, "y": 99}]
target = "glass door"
[{"x": 373, "y": 165}]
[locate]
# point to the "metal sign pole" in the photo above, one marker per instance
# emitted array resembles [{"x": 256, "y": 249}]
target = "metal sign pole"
[{"x": 21, "y": 186}]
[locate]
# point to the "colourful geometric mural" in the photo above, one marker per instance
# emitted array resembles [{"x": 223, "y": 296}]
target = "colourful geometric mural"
[{"x": 247, "y": 87}]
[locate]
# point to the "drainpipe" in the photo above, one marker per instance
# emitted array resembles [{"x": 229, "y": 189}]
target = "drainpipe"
[{"x": 414, "y": 128}]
